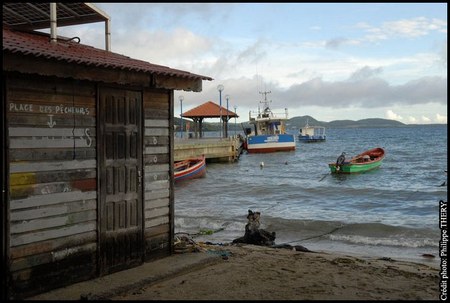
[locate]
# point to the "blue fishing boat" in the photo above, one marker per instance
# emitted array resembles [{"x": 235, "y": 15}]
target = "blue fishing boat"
[{"x": 269, "y": 131}]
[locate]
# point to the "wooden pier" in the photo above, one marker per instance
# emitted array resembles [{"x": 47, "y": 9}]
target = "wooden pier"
[{"x": 214, "y": 149}]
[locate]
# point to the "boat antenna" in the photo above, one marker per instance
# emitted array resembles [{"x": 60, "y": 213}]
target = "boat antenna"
[{"x": 265, "y": 102}]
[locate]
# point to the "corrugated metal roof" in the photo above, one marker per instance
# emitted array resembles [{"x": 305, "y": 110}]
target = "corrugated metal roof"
[
  {"x": 208, "y": 110},
  {"x": 39, "y": 45},
  {"x": 36, "y": 15}
]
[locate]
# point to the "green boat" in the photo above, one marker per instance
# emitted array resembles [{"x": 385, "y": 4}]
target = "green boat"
[{"x": 365, "y": 161}]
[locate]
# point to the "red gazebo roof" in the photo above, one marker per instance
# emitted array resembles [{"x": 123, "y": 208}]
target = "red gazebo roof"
[{"x": 209, "y": 110}]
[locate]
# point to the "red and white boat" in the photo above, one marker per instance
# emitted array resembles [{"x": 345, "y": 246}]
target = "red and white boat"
[{"x": 190, "y": 169}]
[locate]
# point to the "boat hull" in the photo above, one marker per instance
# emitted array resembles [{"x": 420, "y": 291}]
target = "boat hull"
[
  {"x": 309, "y": 134},
  {"x": 270, "y": 143},
  {"x": 353, "y": 168},
  {"x": 309, "y": 139},
  {"x": 190, "y": 169},
  {"x": 366, "y": 161}
]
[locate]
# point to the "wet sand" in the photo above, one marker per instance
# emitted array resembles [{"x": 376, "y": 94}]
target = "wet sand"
[{"x": 249, "y": 272}]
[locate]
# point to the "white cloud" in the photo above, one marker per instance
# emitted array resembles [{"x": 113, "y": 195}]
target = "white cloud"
[
  {"x": 411, "y": 119},
  {"x": 426, "y": 119},
  {"x": 441, "y": 119},
  {"x": 393, "y": 116},
  {"x": 164, "y": 47},
  {"x": 406, "y": 28}
]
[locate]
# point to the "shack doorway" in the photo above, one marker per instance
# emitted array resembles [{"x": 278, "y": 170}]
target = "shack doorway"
[
  {"x": 4, "y": 208},
  {"x": 120, "y": 180}
]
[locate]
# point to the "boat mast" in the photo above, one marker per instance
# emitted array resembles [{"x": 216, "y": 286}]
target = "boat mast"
[{"x": 265, "y": 102}]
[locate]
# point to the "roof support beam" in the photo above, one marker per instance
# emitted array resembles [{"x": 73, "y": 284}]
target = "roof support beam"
[
  {"x": 53, "y": 28},
  {"x": 108, "y": 35}
]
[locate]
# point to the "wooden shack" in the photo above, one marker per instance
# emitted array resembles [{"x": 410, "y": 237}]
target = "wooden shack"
[{"x": 87, "y": 159}]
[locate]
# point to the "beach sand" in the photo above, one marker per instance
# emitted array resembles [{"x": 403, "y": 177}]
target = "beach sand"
[{"x": 249, "y": 272}]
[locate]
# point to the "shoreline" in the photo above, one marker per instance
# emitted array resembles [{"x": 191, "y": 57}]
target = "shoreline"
[
  {"x": 420, "y": 255},
  {"x": 407, "y": 254},
  {"x": 250, "y": 272}
]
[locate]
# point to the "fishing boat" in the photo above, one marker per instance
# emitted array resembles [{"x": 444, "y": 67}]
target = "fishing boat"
[
  {"x": 309, "y": 134},
  {"x": 365, "y": 161},
  {"x": 269, "y": 131},
  {"x": 189, "y": 169}
]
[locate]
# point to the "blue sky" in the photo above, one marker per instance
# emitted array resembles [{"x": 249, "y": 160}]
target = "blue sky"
[{"x": 332, "y": 61}]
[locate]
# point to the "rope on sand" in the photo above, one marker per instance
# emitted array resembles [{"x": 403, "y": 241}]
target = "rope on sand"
[
  {"x": 183, "y": 243},
  {"x": 318, "y": 236}
]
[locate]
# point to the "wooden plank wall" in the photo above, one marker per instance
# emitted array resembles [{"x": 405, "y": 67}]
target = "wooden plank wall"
[
  {"x": 158, "y": 195},
  {"x": 53, "y": 195}
]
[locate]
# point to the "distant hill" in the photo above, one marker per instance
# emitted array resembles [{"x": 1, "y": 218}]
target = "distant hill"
[
  {"x": 373, "y": 122},
  {"x": 298, "y": 122}
]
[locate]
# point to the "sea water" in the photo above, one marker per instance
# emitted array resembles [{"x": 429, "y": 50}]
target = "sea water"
[{"x": 390, "y": 212}]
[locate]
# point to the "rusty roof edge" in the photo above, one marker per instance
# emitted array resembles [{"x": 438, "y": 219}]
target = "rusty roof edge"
[
  {"x": 165, "y": 70},
  {"x": 169, "y": 72}
]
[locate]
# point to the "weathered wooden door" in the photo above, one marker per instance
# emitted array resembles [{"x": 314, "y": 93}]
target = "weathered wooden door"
[{"x": 120, "y": 161}]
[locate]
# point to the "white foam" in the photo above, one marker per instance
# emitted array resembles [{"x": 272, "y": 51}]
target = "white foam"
[{"x": 404, "y": 242}]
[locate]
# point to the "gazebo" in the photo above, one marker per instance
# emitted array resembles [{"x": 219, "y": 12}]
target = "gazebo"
[{"x": 209, "y": 110}]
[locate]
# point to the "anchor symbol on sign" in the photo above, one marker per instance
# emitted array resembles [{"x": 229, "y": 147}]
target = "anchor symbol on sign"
[{"x": 51, "y": 123}]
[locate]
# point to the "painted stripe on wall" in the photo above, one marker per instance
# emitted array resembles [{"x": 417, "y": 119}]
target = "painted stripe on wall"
[
  {"x": 53, "y": 233},
  {"x": 52, "y": 222},
  {"x": 51, "y": 199},
  {"x": 47, "y": 132},
  {"x": 19, "y": 167},
  {"x": 53, "y": 210},
  {"x": 50, "y": 143}
]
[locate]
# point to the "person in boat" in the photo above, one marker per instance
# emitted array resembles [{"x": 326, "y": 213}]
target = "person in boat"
[{"x": 340, "y": 160}]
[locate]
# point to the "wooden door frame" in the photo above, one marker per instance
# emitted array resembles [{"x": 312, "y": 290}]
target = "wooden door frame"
[
  {"x": 5, "y": 195},
  {"x": 100, "y": 118}
]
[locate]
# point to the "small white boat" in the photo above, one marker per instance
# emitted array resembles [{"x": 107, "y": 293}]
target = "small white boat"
[{"x": 308, "y": 134}]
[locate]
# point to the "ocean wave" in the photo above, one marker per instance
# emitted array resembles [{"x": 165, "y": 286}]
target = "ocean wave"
[
  {"x": 391, "y": 241},
  {"x": 296, "y": 231},
  {"x": 194, "y": 225}
]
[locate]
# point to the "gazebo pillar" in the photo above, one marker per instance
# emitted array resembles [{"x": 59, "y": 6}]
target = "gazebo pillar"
[
  {"x": 195, "y": 128},
  {"x": 226, "y": 128},
  {"x": 200, "y": 124}
]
